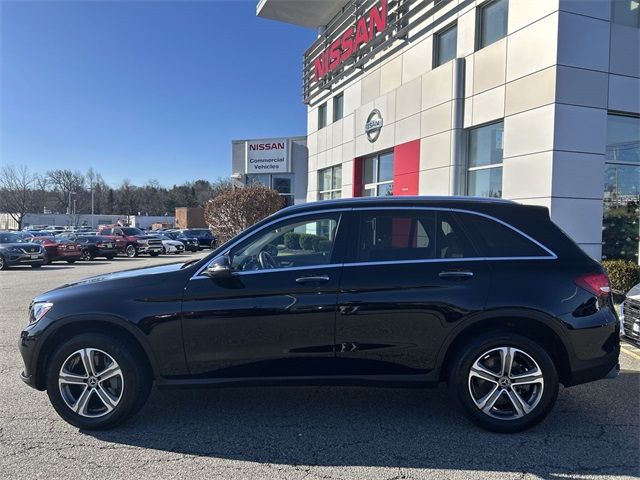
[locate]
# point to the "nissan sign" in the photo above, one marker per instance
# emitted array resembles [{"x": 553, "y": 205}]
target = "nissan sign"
[
  {"x": 267, "y": 156},
  {"x": 374, "y": 125}
]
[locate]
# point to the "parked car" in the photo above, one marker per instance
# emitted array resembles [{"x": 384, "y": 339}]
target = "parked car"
[
  {"x": 94, "y": 246},
  {"x": 487, "y": 295},
  {"x": 169, "y": 245},
  {"x": 630, "y": 315},
  {"x": 14, "y": 250},
  {"x": 132, "y": 241},
  {"x": 54, "y": 229},
  {"x": 58, "y": 248},
  {"x": 205, "y": 238},
  {"x": 191, "y": 244}
]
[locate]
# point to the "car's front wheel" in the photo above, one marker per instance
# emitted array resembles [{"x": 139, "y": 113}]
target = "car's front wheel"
[
  {"x": 504, "y": 382},
  {"x": 96, "y": 382}
]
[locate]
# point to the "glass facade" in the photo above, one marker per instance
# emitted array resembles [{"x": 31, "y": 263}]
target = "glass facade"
[
  {"x": 626, "y": 12},
  {"x": 338, "y": 107},
  {"x": 330, "y": 183},
  {"x": 492, "y": 22},
  {"x": 377, "y": 175},
  {"x": 484, "y": 154},
  {"x": 322, "y": 116},
  {"x": 621, "y": 225},
  {"x": 282, "y": 183},
  {"x": 446, "y": 44}
]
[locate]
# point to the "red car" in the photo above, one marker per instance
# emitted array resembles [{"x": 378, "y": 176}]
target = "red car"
[{"x": 59, "y": 249}]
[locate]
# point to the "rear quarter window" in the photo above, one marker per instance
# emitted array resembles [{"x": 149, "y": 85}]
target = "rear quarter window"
[{"x": 495, "y": 239}]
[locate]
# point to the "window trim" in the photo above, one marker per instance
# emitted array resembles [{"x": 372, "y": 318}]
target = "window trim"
[
  {"x": 479, "y": 12},
  {"x": 436, "y": 45},
  {"x": 376, "y": 184},
  {"x": 468, "y": 168},
  {"x": 350, "y": 210}
]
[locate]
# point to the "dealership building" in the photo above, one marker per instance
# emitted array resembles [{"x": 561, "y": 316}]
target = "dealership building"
[{"x": 536, "y": 101}]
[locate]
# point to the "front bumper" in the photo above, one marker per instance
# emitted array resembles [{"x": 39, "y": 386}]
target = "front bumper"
[
  {"x": 149, "y": 248},
  {"x": 106, "y": 252},
  {"x": 24, "y": 258},
  {"x": 630, "y": 319}
]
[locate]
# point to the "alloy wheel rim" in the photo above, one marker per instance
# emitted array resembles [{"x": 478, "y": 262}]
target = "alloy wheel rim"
[
  {"x": 506, "y": 383},
  {"x": 131, "y": 251},
  {"x": 91, "y": 382}
]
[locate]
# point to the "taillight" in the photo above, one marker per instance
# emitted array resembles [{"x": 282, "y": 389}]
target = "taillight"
[{"x": 596, "y": 283}]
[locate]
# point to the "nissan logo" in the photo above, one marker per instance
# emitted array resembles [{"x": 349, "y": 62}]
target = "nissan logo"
[{"x": 374, "y": 125}]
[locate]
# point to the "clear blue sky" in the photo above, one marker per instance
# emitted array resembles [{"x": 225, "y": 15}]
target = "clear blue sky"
[{"x": 144, "y": 89}]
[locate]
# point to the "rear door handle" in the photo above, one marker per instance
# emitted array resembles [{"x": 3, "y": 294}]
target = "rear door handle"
[
  {"x": 456, "y": 275},
  {"x": 312, "y": 279}
]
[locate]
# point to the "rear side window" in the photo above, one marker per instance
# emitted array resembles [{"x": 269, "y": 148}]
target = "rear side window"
[
  {"x": 494, "y": 239},
  {"x": 411, "y": 235}
]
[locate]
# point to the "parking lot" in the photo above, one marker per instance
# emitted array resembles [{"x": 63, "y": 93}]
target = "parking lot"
[{"x": 302, "y": 432}]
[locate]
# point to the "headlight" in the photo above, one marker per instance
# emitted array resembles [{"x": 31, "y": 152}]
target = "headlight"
[{"x": 39, "y": 310}]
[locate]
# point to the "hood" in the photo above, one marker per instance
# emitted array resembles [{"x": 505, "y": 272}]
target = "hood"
[
  {"x": 175, "y": 243},
  {"x": 634, "y": 293},
  {"x": 116, "y": 280},
  {"x": 20, "y": 245}
]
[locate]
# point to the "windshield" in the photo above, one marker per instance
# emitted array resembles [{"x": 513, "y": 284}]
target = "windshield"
[
  {"x": 10, "y": 238},
  {"x": 132, "y": 231}
]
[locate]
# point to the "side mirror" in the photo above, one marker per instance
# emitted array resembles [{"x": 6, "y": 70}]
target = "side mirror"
[{"x": 220, "y": 267}]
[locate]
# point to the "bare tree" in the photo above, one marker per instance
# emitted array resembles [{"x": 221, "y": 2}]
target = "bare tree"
[
  {"x": 16, "y": 191},
  {"x": 235, "y": 209},
  {"x": 66, "y": 183}
]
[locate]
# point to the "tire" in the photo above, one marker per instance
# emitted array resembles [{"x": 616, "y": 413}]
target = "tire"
[
  {"x": 154, "y": 254},
  {"x": 109, "y": 257},
  {"x": 36, "y": 265},
  {"x": 470, "y": 391},
  {"x": 128, "y": 390},
  {"x": 71, "y": 261},
  {"x": 164, "y": 251},
  {"x": 3, "y": 263},
  {"x": 47, "y": 260},
  {"x": 131, "y": 251},
  {"x": 87, "y": 256}
]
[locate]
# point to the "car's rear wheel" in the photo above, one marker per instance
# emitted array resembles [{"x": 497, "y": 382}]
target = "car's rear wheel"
[
  {"x": 131, "y": 251},
  {"x": 504, "y": 382},
  {"x": 36, "y": 265},
  {"x": 110, "y": 257},
  {"x": 95, "y": 381},
  {"x": 86, "y": 255},
  {"x": 72, "y": 260}
]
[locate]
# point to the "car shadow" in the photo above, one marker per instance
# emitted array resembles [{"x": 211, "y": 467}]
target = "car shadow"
[{"x": 587, "y": 433}]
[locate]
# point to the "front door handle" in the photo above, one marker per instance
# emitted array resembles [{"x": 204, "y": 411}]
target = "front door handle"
[
  {"x": 456, "y": 275},
  {"x": 312, "y": 279}
]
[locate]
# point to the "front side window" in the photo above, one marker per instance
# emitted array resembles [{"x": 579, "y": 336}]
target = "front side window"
[
  {"x": 377, "y": 175},
  {"x": 322, "y": 116},
  {"x": 485, "y": 149},
  {"x": 338, "y": 107},
  {"x": 626, "y": 12},
  {"x": 620, "y": 224},
  {"x": 494, "y": 239},
  {"x": 411, "y": 235},
  {"x": 445, "y": 45},
  {"x": 492, "y": 22},
  {"x": 330, "y": 183},
  {"x": 292, "y": 243}
]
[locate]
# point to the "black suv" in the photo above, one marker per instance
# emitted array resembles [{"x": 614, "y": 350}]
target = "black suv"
[{"x": 486, "y": 295}]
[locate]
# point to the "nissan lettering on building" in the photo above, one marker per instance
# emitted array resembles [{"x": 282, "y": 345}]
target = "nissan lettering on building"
[{"x": 267, "y": 156}]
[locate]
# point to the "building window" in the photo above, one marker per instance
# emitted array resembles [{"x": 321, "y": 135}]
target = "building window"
[
  {"x": 492, "y": 22},
  {"x": 338, "y": 107},
  {"x": 485, "y": 161},
  {"x": 626, "y": 12},
  {"x": 282, "y": 183},
  {"x": 330, "y": 183},
  {"x": 377, "y": 175},
  {"x": 445, "y": 45},
  {"x": 322, "y": 116},
  {"x": 620, "y": 225}
]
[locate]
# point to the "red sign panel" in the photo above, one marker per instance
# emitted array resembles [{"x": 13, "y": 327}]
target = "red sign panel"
[{"x": 346, "y": 45}]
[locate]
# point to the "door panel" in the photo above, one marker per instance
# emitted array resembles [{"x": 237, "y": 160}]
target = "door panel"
[
  {"x": 405, "y": 284},
  {"x": 268, "y": 322}
]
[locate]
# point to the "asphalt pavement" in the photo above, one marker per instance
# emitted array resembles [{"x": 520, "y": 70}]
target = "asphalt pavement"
[{"x": 302, "y": 432}]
